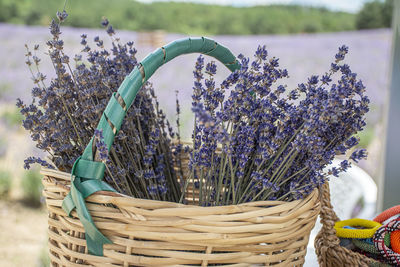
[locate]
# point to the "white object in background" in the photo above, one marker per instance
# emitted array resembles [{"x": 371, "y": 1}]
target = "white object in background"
[{"x": 353, "y": 194}]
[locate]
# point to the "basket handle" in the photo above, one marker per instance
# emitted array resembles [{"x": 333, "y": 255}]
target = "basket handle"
[
  {"x": 327, "y": 234},
  {"x": 87, "y": 172},
  {"x": 327, "y": 214},
  {"x": 326, "y": 243}
]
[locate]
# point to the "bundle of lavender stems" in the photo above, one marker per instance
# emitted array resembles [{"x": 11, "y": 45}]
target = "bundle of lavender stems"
[{"x": 253, "y": 139}]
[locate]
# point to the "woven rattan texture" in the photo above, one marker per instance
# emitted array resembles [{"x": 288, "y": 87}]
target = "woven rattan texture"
[
  {"x": 147, "y": 232},
  {"x": 327, "y": 248}
]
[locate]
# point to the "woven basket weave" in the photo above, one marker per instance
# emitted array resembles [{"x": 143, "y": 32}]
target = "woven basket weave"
[
  {"x": 148, "y": 232},
  {"x": 92, "y": 225},
  {"x": 327, "y": 248}
]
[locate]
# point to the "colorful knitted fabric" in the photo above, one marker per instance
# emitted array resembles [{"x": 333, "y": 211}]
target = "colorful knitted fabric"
[
  {"x": 369, "y": 228},
  {"x": 387, "y": 214},
  {"x": 395, "y": 241},
  {"x": 390, "y": 256},
  {"x": 391, "y": 219},
  {"x": 368, "y": 244},
  {"x": 379, "y": 264}
]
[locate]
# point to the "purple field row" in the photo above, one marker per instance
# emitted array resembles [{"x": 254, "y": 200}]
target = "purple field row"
[{"x": 303, "y": 55}]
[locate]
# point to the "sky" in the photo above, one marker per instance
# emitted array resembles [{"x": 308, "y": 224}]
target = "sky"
[{"x": 337, "y": 5}]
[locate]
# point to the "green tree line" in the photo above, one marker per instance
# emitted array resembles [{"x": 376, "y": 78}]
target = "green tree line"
[
  {"x": 375, "y": 14},
  {"x": 193, "y": 18}
]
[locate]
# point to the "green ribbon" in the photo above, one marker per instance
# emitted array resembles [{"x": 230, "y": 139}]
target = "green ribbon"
[
  {"x": 81, "y": 188},
  {"x": 87, "y": 174}
]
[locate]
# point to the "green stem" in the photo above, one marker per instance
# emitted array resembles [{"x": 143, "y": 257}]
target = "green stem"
[
  {"x": 72, "y": 121},
  {"x": 256, "y": 196},
  {"x": 184, "y": 189},
  {"x": 116, "y": 160},
  {"x": 283, "y": 149},
  {"x": 285, "y": 164},
  {"x": 112, "y": 177},
  {"x": 232, "y": 181},
  {"x": 201, "y": 186},
  {"x": 280, "y": 151},
  {"x": 221, "y": 176},
  {"x": 288, "y": 193},
  {"x": 293, "y": 175}
]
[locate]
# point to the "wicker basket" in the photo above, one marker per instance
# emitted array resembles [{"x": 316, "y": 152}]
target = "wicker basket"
[
  {"x": 92, "y": 225},
  {"x": 327, "y": 248},
  {"x": 148, "y": 232}
]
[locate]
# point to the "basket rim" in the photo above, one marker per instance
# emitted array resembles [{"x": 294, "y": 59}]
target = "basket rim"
[{"x": 313, "y": 196}]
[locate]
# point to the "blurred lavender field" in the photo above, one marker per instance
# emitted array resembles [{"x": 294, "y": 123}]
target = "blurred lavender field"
[{"x": 303, "y": 55}]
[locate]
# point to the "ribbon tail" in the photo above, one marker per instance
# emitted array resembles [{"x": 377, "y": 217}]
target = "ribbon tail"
[
  {"x": 95, "y": 243},
  {"x": 94, "y": 238},
  {"x": 68, "y": 204}
]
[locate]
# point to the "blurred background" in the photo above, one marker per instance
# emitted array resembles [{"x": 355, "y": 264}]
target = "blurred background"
[{"x": 304, "y": 34}]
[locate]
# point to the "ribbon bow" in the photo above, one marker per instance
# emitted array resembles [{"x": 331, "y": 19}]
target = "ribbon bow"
[{"x": 86, "y": 179}]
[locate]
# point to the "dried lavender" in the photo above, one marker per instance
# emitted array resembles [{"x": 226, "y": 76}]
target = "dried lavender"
[
  {"x": 264, "y": 143},
  {"x": 65, "y": 111},
  {"x": 260, "y": 142}
]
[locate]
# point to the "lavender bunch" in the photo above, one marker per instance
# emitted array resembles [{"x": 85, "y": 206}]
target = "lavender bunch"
[
  {"x": 252, "y": 139},
  {"x": 65, "y": 111},
  {"x": 263, "y": 142}
]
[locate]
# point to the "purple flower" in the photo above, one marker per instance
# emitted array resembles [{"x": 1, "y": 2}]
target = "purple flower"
[
  {"x": 104, "y": 22},
  {"x": 64, "y": 114},
  {"x": 62, "y": 15},
  {"x": 100, "y": 145},
  {"x": 274, "y": 147},
  {"x": 358, "y": 155}
]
